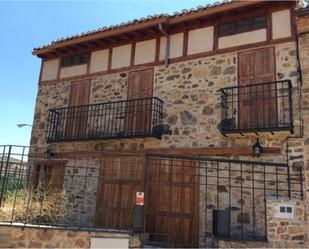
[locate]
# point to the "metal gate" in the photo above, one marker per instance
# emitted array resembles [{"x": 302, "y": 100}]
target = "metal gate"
[{"x": 189, "y": 201}]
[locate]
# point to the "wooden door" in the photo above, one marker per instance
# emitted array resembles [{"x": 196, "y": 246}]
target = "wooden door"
[
  {"x": 138, "y": 111},
  {"x": 172, "y": 190},
  {"x": 120, "y": 178},
  {"x": 76, "y": 123},
  {"x": 257, "y": 103}
]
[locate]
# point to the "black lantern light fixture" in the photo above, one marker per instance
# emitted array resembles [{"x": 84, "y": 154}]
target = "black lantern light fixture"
[
  {"x": 49, "y": 152},
  {"x": 257, "y": 148}
]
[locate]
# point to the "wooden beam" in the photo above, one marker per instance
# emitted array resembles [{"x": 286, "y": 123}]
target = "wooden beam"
[
  {"x": 94, "y": 43},
  {"x": 73, "y": 48},
  {"x": 135, "y": 35},
  {"x": 185, "y": 43},
  {"x": 62, "y": 51},
  {"x": 126, "y": 36},
  {"x": 112, "y": 40},
  {"x": 132, "y": 54},
  {"x": 52, "y": 162},
  {"x": 89, "y": 154},
  {"x": 110, "y": 54},
  {"x": 90, "y": 45},
  {"x": 210, "y": 151},
  {"x": 82, "y": 45}
]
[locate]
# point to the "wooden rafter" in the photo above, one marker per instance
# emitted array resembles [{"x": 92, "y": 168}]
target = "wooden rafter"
[{"x": 210, "y": 151}]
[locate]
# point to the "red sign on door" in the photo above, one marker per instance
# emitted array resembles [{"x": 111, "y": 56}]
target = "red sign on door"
[{"x": 139, "y": 198}]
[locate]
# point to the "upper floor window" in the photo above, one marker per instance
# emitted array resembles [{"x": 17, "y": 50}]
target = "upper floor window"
[
  {"x": 243, "y": 25},
  {"x": 74, "y": 60}
]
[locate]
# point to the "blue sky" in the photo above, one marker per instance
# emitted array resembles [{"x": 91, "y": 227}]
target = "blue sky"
[{"x": 26, "y": 25}]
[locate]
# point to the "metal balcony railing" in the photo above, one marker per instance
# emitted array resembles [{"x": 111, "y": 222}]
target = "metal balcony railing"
[
  {"x": 122, "y": 119},
  {"x": 257, "y": 107}
]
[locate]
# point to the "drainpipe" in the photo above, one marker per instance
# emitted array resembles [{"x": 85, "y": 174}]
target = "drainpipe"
[
  {"x": 300, "y": 79},
  {"x": 299, "y": 83},
  {"x": 167, "y": 48}
]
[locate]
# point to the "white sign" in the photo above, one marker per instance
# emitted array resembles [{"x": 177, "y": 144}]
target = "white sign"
[{"x": 284, "y": 211}]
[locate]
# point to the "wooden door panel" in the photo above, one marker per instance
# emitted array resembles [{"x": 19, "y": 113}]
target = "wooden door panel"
[
  {"x": 76, "y": 123},
  {"x": 257, "y": 104},
  {"x": 120, "y": 179},
  {"x": 138, "y": 113},
  {"x": 146, "y": 83},
  {"x": 173, "y": 202}
]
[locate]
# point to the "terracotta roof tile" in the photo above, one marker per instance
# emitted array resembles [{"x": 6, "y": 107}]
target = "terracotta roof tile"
[{"x": 140, "y": 20}]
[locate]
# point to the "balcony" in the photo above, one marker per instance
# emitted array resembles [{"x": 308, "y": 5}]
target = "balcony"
[
  {"x": 262, "y": 107},
  {"x": 136, "y": 118}
]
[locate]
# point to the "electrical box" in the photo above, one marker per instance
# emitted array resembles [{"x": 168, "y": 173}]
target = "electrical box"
[
  {"x": 221, "y": 223},
  {"x": 138, "y": 218}
]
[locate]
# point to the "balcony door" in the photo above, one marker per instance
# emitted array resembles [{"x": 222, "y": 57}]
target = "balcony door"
[
  {"x": 257, "y": 103},
  {"x": 138, "y": 113},
  {"x": 76, "y": 123}
]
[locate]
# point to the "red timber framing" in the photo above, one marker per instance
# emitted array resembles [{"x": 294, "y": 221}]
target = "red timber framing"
[{"x": 172, "y": 26}]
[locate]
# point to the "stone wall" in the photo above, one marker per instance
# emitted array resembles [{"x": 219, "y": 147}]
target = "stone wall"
[
  {"x": 21, "y": 237},
  {"x": 49, "y": 96},
  {"x": 286, "y": 232},
  {"x": 81, "y": 181},
  {"x": 304, "y": 61},
  {"x": 191, "y": 94},
  {"x": 281, "y": 233}
]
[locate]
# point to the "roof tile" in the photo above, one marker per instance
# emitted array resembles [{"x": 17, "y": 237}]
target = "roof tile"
[{"x": 135, "y": 21}]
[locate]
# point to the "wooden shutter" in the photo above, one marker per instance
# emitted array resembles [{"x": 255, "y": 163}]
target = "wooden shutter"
[
  {"x": 257, "y": 104},
  {"x": 120, "y": 178},
  {"x": 76, "y": 122},
  {"x": 138, "y": 113},
  {"x": 172, "y": 202}
]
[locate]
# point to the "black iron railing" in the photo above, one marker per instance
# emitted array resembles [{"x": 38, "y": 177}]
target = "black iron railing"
[
  {"x": 188, "y": 200},
  {"x": 257, "y": 107},
  {"x": 121, "y": 119}
]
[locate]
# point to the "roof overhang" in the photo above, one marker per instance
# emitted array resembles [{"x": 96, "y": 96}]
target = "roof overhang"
[
  {"x": 303, "y": 12},
  {"x": 100, "y": 35},
  {"x": 130, "y": 28}
]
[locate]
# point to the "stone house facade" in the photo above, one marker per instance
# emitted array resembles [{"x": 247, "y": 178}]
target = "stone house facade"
[{"x": 206, "y": 82}]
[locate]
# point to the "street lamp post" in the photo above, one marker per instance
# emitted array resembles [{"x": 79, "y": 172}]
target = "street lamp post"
[{"x": 23, "y": 125}]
